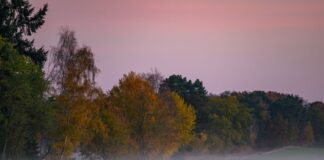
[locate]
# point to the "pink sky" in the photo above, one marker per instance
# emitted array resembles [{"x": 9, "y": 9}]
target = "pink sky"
[{"x": 229, "y": 44}]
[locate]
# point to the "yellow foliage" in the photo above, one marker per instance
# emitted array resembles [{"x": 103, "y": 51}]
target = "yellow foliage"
[{"x": 157, "y": 124}]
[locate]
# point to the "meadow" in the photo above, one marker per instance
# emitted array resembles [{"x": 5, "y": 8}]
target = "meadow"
[{"x": 286, "y": 153}]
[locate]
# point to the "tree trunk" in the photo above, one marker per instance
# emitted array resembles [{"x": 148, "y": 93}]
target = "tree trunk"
[
  {"x": 142, "y": 140},
  {"x": 63, "y": 148},
  {"x": 3, "y": 155},
  {"x": 66, "y": 137}
]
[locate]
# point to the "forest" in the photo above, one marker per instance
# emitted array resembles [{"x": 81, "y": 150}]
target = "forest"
[{"x": 145, "y": 116}]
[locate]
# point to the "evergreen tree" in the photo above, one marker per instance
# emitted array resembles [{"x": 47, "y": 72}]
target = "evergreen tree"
[
  {"x": 193, "y": 93},
  {"x": 18, "y": 21},
  {"x": 22, "y": 111},
  {"x": 316, "y": 116}
]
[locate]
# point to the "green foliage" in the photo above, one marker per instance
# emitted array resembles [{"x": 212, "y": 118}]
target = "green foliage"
[
  {"x": 228, "y": 124},
  {"x": 175, "y": 121},
  {"x": 18, "y": 20},
  {"x": 193, "y": 93},
  {"x": 288, "y": 120},
  {"x": 22, "y": 111},
  {"x": 316, "y": 117},
  {"x": 279, "y": 119},
  {"x": 308, "y": 135}
]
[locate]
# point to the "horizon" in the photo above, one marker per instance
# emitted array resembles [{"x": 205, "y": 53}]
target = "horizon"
[{"x": 228, "y": 45}]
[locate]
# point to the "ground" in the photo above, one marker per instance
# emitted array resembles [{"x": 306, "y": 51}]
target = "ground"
[{"x": 287, "y": 153}]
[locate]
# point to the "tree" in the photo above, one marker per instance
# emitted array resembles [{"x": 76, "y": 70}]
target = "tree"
[
  {"x": 258, "y": 102},
  {"x": 288, "y": 118},
  {"x": 175, "y": 121},
  {"x": 73, "y": 79},
  {"x": 228, "y": 124},
  {"x": 157, "y": 124},
  {"x": 137, "y": 101},
  {"x": 279, "y": 118},
  {"x": 154, "y": 78},
  {"x": 316, "y": 117},
  {"x": 308, "y": 135},
  {"x": 22, "y": 111},
  {"x": 194, "y": 94},
  {"x": 18, "y": 21},
  {"x": 113, "y": 142}
]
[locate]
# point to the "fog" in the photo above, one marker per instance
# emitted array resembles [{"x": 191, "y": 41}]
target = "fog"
[
  {"x": 253, "y": 157},
  {"x": 285, "y": 153}
]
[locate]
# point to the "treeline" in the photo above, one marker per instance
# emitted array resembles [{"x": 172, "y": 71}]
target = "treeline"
[
  {"x": 144, "y": 116},
  {"x": 247, "y": 121}
]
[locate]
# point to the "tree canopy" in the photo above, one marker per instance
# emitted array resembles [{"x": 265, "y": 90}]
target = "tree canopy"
[
  {"x": 144, "y": 116},
  {"x": 22, "y": 111},
  {"x": 157, "y": 124},
  {"x": 74, "y": 88},
  {"x": 18, "y": 21},
  {"x": 193, "y": 93}
]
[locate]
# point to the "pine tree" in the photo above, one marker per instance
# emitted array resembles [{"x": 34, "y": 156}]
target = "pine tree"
[{"x": 18, "y": 21}]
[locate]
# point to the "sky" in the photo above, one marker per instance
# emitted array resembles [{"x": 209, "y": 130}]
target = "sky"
[{"x": 231, "y": 45}]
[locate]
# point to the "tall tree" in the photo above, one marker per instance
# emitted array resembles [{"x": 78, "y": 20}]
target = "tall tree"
[
  {"x": 137, "y": 102},
  {"x": 113, "y": 142},
  {"x": 259, "y": 102},
  {"x": 308, "y": 135},
  {"x": 316, "y": 117},
  {"x": 154, "y": 78},
  {"x": 279, "y": 119},
  {"x": 157, "y": 124},
  {"x": 193, "y": 93},
  {"x": 73, "y": 78},
  {"x": 22, "y": 108},
  {"x": 228, "y": 124},
  {"x": 288, "y": 118},
  {"x": 175, "y": 121},
  {"x": 18, "y": 21}
]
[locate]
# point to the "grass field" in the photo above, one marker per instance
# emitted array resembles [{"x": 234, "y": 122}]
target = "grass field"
[{"x": 287, "y": 153}]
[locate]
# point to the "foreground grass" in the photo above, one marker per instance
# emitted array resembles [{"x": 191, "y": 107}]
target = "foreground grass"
[
  {"x": 294, "y": 154},
  {"x": 287, "y": 153}
]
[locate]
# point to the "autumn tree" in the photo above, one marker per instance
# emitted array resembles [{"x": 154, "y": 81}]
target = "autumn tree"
[
  {"x": 174, "y": 125},
  {"x": 193, "y": 93},
  {"x": 73, "y": 81},
  {"x": 157, "y": 124},
  {"x": 113, "y": 142},
  {"x": 137, "y": 101},
  {"x": 19, "y": 20},
  {"x": 22, "y": 110},
  {"x": 154, "y": 78}
]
